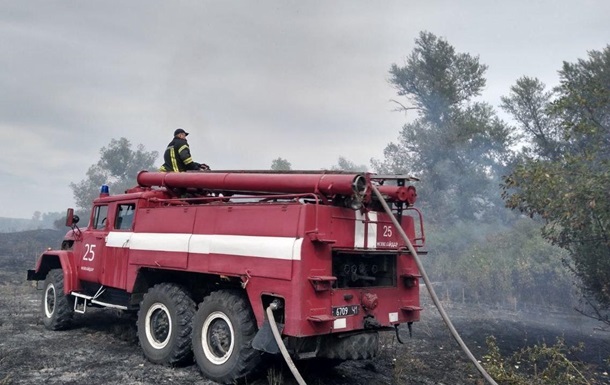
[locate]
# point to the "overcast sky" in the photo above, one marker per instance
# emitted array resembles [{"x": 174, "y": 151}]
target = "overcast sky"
[{"x": 251, "y": 81}]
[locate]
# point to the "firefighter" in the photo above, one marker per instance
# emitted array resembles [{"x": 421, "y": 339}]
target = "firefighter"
[{"x": 177, "y": 155}]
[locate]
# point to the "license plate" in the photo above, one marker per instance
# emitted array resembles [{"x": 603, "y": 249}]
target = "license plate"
[{"x": 344, "y": 311}]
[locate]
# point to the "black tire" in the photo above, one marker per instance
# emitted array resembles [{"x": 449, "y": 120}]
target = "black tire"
[
  {"x": 223, "y": 330},
  {"x": 165, "y": 324},
  {"x": 361, "y": 346},
  {"x": 57, "y": 308}
]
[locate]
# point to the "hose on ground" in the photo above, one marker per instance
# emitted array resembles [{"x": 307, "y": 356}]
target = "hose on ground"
[
  {"x": 283, "y": 350},
  {"x": 435, "y": 299}
]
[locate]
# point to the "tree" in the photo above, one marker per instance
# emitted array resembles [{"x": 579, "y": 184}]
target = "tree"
[
  {"x": 280, "y": 164},
  {"x": 459, "y": 147},
  {"x": 529, "y": 103},
  {"x": 570, "y": 191},
  {"x": 118, "y": 167},
  {"x": 436, "y": 79},
  {"x": 54, "y": 220},
  {"x": 343, "y": 164}
]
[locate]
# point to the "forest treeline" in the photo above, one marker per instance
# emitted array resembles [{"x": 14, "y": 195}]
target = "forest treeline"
[{"x": 519, "y": 210}]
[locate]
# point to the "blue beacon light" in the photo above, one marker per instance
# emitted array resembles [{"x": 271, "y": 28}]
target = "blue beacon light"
[{"x": 104, "y": 191}]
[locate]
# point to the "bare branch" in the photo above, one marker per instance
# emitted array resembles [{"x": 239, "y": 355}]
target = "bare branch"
[
  {"x": 403, "y": 107},
  {"x": 599, "y": 316}
]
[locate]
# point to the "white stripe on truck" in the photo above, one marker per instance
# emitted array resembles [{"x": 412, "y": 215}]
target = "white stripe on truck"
[{"x": 286, "y": 248}]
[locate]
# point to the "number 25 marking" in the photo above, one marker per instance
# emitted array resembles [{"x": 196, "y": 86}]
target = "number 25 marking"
[
  {"x": 89, "y": 252},
  {"x": 387, "y": 231}
]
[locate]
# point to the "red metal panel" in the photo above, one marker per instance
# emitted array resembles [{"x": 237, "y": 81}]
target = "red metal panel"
[
  {"x": 66, "y": 259},
  {"x": 132, "y": 274},
  {"x": 90, "y": 253},
  {"x": 166, "y": 219},
  {"x": 158, "y": 259},
  {"x": 163, "y": 220},
  {"x": 115, "y": 267},
  {"x": 246, "y": 266},
  {"x": 338, "y": 223},
  {"x": 255, "y": 223},
  {"x": 259, "y": 219}
]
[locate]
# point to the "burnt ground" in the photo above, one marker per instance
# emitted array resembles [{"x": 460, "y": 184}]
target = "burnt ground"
[{"x": 102, "y": 346}]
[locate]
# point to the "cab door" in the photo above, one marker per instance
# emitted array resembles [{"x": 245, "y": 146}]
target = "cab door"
[
  {"x": 90, "y": 252},
  {"x": 117, "y": 245}
]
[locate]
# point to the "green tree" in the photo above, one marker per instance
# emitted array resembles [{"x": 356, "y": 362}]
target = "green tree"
[
  {"x": 529, "y": 103},
  {"x": 118, "y": 167},
  {"x": 436, "y": 79},
  {"x": 570, "y": 191},
  {"x": 281, "y": 164},
  {"x": 458, "y": 146}
]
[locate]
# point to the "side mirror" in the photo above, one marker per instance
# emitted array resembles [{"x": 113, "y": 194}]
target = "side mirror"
[{"x": 71, "y": 219}]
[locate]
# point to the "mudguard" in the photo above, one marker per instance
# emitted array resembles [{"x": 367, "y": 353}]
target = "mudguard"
[{"x": 55, "y": 259}]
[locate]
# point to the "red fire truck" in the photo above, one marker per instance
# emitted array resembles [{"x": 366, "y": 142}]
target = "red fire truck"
[{"x": 201, "y": 257}]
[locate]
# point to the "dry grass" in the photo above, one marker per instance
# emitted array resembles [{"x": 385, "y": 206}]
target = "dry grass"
[{"x": 275, "y": 376}]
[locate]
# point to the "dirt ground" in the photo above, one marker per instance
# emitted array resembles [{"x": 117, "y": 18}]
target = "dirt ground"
[{"x": 102, "y": 346}]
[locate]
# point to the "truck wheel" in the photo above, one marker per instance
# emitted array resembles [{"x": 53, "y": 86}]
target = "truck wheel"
[
  {"x": 223, "y": 329},
  {"x": 361, "y": 346},
  {"x": 57, "y": 308},
  {"x": 164, "y": 324}
]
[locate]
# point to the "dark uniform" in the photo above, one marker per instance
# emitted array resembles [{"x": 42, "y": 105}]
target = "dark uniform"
[{"x": 177, "y": 156}]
